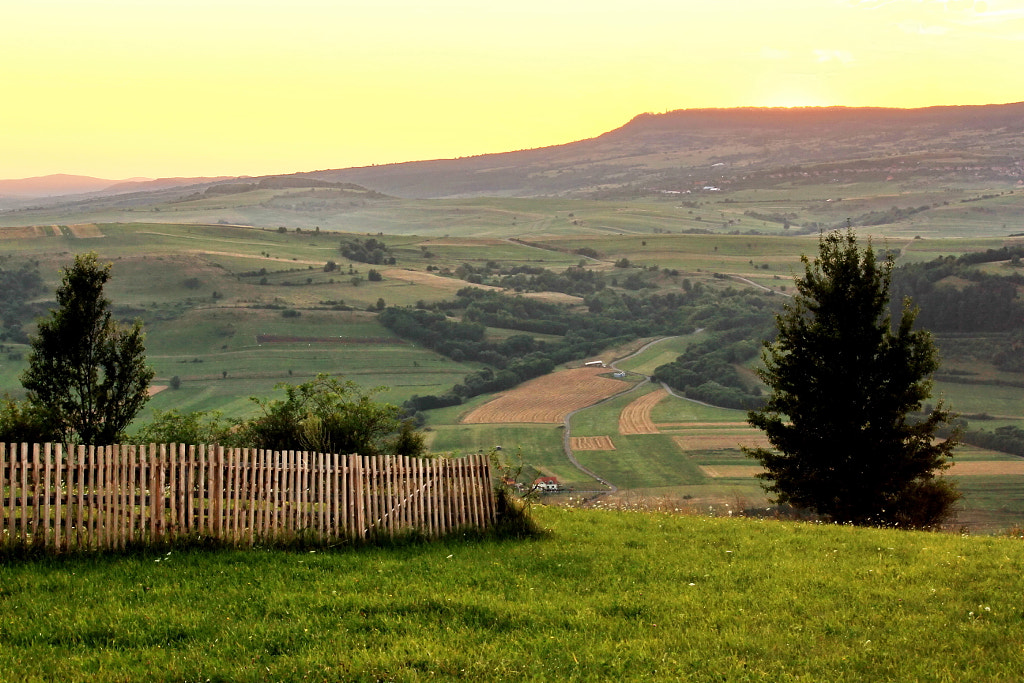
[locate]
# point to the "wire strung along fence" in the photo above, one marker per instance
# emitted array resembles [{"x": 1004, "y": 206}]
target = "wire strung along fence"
[{"x": 106, "y": 497}]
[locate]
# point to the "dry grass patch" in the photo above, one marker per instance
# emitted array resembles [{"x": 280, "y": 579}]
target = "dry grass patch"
[
  {"x": 85, "y": 230},
  {"x": 989, "y": 467},
  {"x": 721, "y": 439},
  {"x": 418, "y": 277},
  {"x": 636, "y": 417},
  {"x": 960, "y": 469},
  {"x": 25, "y": 232},
  {"x": 664, "y": 425},
  {"x": 554, "y": 297},
  {"x": 452, "y": 242},
  {"x": 591, "y": 443},
  {"x": 235, "y": 254},
  {"x": 548, "y": 399},
  {"x": 451, "y": 284},
  {"x": 731, "y": 471}
]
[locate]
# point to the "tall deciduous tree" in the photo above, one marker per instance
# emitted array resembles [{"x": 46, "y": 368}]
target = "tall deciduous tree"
[
  {"x": 843, "y": 382},
  {"x": 87, "y": 374}
]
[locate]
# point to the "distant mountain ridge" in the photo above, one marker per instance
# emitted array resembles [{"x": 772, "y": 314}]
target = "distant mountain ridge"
[
  {"x": 670, "y": 152},
  {"x": 57, "y": 184},
  {"x": 653, "y": 148},
  {"x": 62, "y": 184}
]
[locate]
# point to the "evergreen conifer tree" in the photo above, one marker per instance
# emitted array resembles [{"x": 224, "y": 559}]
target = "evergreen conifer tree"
[
  {"x": 87, "y": 375},
  {"x": 843, "y": 382}
]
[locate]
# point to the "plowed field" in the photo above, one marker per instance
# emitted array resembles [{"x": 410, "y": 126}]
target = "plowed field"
[
  {"x": 548, "y": 399},
  {"x": 636, "y": 417},
  {"x": 591, "y": 443}
]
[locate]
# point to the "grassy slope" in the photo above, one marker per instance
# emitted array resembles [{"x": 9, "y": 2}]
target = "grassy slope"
[{"x": 624, "y": 596}]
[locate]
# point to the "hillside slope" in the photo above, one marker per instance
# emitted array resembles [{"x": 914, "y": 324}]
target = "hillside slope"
[{"x": 661, "y": 148}]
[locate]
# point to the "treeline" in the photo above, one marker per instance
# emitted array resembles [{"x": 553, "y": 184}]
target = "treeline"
[
  {"x": 512, "y": 360},
  {"x": 1007, "y": 439},
  {"x": 975, "y": 301},
  {"x": 612, "y": 317},
  {"x": 708, "y": 371},
  {"x": 20, "y": 283},
  {"x": 893, "y": 215},
  {"x": 575, "y": 281}
]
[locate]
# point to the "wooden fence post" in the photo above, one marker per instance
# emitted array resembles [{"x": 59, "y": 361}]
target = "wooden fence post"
[{"x": 58, "y": 532}]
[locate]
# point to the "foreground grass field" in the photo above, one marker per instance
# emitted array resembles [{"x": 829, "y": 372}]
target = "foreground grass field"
[{"x": 607, "y": 595}]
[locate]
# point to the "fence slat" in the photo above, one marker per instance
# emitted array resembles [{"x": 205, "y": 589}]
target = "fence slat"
[
  {"x": 58, "y": 464},
  {"x": 145, "y": 492},
  {"x": 5, "y": 491},
  {"x": 47, "y": 490}
]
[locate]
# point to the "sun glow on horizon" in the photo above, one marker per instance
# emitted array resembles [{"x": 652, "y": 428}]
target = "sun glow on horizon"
[
  {"x": 221, "y": 87},
  {"x": 784, "y": 100}
]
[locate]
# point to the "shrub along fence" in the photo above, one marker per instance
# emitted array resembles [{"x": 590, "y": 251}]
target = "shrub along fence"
[{"x": 106, "y": 497}]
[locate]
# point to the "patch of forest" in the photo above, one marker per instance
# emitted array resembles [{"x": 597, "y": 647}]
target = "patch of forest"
[
  {"x": 456, "y": 329},
  {"x": 20, "y": 284}
]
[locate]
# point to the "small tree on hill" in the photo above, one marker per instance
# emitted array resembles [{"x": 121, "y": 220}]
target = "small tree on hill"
[
  {"x": 843, "y": 382},
  {"x": 87, "y": 375}
]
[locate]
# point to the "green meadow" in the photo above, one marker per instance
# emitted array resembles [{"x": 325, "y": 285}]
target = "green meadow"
[{"x": 604, "y": 595}]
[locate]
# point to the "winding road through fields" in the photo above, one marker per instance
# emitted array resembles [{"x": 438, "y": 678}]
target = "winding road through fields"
[{"x": 567, "y": 432}]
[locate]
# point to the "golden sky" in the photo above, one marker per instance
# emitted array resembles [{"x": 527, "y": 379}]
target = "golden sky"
[{"x": 156, "y": 88}]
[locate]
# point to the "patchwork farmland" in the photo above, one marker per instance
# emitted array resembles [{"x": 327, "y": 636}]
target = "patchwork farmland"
[{"x": 231, "y": 311}]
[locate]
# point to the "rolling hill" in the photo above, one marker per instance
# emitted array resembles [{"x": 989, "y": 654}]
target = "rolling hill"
[{"x": 694, "y": 148}]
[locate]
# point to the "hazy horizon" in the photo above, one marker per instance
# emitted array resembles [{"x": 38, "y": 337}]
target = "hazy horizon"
[{"x": 225, "y": 88}]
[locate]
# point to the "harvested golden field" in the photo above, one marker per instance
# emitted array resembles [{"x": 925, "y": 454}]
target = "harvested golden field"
[
  {"x": 554, "y": 297},
  {"x": 85, "y": 230},
  {"x": 960, "y": 469},
  {"x": 430, "y": 280},
  {"x": 731, "y": 471},
  {"x": 25, "y": 232},
  {"x": 452, "y": 284},
  {"x": 982, "y": 467},
  {"x": 669, "y": 425},
  {"x": 636, "y": 417},
  {"x": 236, "y": 254},
  {"x": 548, "y": 399},
  {"x": 719, "y": 439},
  {"x": 453, "y": 242},
  {"x": 591, "y": 443}
]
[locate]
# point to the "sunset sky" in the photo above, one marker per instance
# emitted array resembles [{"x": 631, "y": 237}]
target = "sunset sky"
[{"x": 153, "y": 88}]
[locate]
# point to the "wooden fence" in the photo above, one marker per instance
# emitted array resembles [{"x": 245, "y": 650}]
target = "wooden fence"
[{"x": 92, "y": 497}]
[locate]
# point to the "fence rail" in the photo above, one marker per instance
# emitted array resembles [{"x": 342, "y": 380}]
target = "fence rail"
[{"x": 105, "y": 497}]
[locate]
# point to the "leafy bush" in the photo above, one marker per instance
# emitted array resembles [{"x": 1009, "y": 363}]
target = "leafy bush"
[
  {"x": 199, "y": 427},
  {"x": 331, "y": 416}
]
